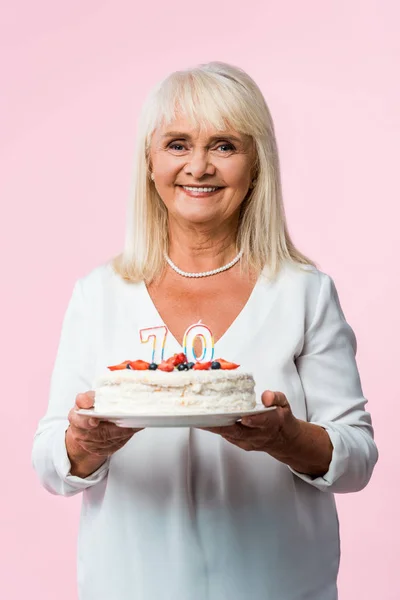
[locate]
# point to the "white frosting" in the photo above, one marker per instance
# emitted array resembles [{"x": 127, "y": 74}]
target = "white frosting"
[{"x": 178, "y": 392}]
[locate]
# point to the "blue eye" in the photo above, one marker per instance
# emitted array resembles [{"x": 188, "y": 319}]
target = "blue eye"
[
  {"x": 174, "y": 145},
  {"x": 229, "y": 147}
]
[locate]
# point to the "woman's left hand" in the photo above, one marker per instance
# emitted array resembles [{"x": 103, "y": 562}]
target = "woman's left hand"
[{"x": 273, "y": 431}]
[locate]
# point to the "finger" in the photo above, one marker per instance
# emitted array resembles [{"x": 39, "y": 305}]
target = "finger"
[
  {"x": 243, "y": 444},
  {"x": 259, "y": 421},
  {"x": 110, "y": 431},
  {"x": 119, "y": 430},
  {"x": 90, "y": 443},
  {"x": 85, "y": 400},
  {"x": 81, "y": 422},
  {"x": 103, "y": 447},
  {"x": 273, "y": 399},
  {"x": 233, "y": 432},
  {"x": 270, "y": 400},
  {"x": 128, "y": 431},
  {"x": 227, "y": 430},
  {"x": 100, "y": 439}
]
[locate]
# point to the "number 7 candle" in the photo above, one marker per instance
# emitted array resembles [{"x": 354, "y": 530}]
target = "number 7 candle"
[{"x": 159, "y": 337}]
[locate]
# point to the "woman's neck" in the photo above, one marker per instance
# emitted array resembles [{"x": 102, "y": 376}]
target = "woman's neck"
[{"x": 201, "y": 248}]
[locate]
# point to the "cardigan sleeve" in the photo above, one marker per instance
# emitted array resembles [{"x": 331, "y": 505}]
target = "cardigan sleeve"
[
  {"x": 334, "y": 399},
  {"x": 71, "y": 376}
]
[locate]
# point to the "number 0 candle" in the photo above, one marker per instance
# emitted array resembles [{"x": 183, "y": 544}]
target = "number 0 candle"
[{"x": 204, "y": 333}]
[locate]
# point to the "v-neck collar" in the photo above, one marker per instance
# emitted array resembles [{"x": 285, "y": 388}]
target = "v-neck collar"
[{"x": 245, "y": 325}]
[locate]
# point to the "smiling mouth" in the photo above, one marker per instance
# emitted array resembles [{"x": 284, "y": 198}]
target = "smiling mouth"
[{"x": 197, "y": 189}]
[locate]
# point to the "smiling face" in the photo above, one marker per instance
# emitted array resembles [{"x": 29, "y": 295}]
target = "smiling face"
[{"x": 201, "y": 175}]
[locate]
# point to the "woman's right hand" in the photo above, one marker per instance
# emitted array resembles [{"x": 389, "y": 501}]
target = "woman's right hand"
[{"x": 90, "y": 441}]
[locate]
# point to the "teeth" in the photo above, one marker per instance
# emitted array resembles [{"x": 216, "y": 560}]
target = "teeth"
[{"x": 199, "y": 189}]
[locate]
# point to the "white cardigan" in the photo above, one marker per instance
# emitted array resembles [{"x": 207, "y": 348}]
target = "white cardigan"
[{"x": 182, "y": 514}]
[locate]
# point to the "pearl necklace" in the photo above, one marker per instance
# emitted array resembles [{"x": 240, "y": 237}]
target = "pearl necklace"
[{"x": 204, "y": 273}]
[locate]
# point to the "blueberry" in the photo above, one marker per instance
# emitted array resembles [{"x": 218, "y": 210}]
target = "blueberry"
[
  {"x": 190, "y": 365},
  {"x": 128, "y": 366},
  {"x": 153, "y": 366},
  {"x": 183, "y": 367},
  {"x": 215, "y": 365}
]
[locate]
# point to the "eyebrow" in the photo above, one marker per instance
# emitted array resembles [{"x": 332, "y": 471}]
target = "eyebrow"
[{"x": 185, "y": 136}]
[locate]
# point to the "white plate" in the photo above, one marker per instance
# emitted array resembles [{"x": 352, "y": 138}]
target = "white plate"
[{"x": 185, "y": 420}]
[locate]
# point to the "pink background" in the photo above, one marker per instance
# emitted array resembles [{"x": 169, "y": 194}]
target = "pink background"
[{"x": 74, "y": 75}]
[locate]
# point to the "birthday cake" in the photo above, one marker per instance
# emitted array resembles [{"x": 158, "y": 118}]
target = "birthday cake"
[{"x": 174, "y": 386}]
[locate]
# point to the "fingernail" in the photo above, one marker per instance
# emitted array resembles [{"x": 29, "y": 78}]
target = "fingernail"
[
  {"x": 247, "y": 421},
  {"x": 93, "y": 422}
]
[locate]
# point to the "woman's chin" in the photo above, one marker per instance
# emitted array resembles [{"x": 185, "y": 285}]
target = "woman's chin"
[
  {"x": 197, "y": 217},
  {"x": 196, "y": 212}
]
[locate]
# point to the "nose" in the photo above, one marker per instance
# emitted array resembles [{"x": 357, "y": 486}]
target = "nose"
[{"x": 199, "y": 165}]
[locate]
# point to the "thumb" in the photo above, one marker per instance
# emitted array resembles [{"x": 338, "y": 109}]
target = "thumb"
[
  {"x": 85, "y": 400},
  {"x": 273, "y": 399}
]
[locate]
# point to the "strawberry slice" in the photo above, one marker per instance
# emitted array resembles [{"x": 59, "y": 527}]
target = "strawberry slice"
[
  {"x": 177, "y": 359},
  {"x": 202, "y": 366},
  {"x": 120, "y": 366},
  {"x": 226, "y": 365},
  {"x": 139, "y": 365},
  {"x": 165, "y": 366},
  {"x": 180, "y": 359}
]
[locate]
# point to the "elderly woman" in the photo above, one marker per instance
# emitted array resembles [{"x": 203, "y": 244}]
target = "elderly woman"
[{"x": 188, "y": 513}]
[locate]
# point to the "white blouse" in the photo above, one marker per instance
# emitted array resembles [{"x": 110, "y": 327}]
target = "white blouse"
[{"x": 182, "y": 514}]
